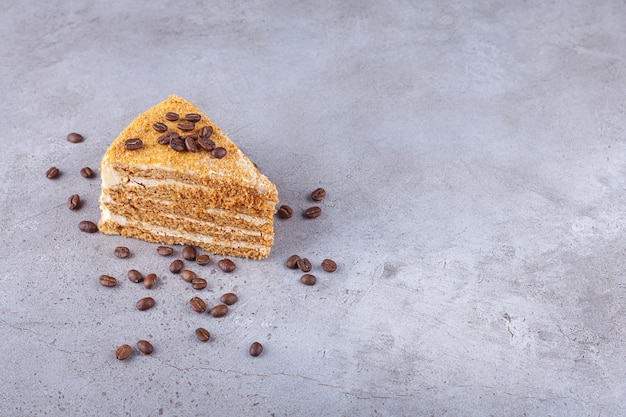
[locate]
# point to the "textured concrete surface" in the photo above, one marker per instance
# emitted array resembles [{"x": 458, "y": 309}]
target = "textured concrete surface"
[{"x": 474, "y": 156}]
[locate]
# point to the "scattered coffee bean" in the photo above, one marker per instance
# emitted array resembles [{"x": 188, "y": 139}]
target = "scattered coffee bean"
[
  {"x": 107, "y": 281},
  {"x": 206, "y": 144},
  {"x": 160, "y": 127},
  {"x": 178, "y": 144},
  {"x": 135, "y": 276},
  {"x": 189, "y": 253},
  {"x": 304, "y": 264},
  {"x": 193, "y": 117},
  {"x": 229, "y": 298},
  {"x": 206, "y": 132},
  {"x": 171, "y": 116},
  {"x": 198, "y": 283},
  {"x": 87, "y": 226},
  {"x": 52, "y": 173},
  {"x": 86, "y": 172},
  {"x": 186, "y": 126},
  {"x": 292, "y": 262},
  {"x": 149, "y": 280},
  {"x": 176, "y": 266},
  {"x": 308, "y": 279},
  {"x": 202, "y": 334},
  {"x": 285, "y": 212},
  {"x": 164, "y": 250},
  {"x": 122, "y": 252},
  {"x": 218, "y": 153},
  {"x": 167, "y": 138},
  {"x": 73, "y": 202},
  {"x": 145, "y": 347},
  {"x": 203, "y": 259},
  {"x": 145, "y": 303},
  {"x": 226, "y": 265},
  {"x": 133, "y": 144},
  {"x": 187, "y": 275},
  {"x": 190, "y": 144},
  {"x": 219, "y": 310},
  {"x": 255, "y": 349},
  {"x": 75, "y": 137},
  {"x": 329, "y": 265},
  {"x": 318, "y": 194},
  {"x": 312, "y": 212},
  {"x": 123, "y": 352},
  {"x": 198, "y": 305}
]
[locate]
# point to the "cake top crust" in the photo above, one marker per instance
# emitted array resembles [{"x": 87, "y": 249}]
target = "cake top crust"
[{"x": 232, "y": 168}]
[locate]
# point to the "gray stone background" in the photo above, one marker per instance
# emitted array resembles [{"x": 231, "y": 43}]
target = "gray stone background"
[{"x": 474, "y": 158}]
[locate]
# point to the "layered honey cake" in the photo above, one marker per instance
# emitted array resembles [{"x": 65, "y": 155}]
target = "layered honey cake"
[{"x": 173, "y": 176}]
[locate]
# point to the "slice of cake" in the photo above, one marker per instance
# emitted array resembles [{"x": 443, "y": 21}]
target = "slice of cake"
[{"x": 172, "y": 176}]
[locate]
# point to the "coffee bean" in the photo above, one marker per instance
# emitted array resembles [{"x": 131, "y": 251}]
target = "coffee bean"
[
  {"x": 123, "y": 352},
  {"x": 149, "y": 280},
  {"x": 308, "y": 279},
  {"x": 107, "y": 281},
  {"x": 329, "y": 265},
  {"x": 164, "y": 250},
  {"x": 87, "y": 226},
  {"x": 178, "y": 144},
  {"x": 193, "y": 117},
  {"x": 226, "y": 265},
  {"x": 206, "y": 144},
  {"x": 292, "y": 262},
  {"x": 193, "y": 136},
  {"x": 189, "y": 253},
  {"x": 190, "y": 143},
  {"x": 122, "y": 252},
  {"x": 219, "y": 310},
  {"x": 171, "y": 116},
  {"x": 187, "y": 275},
  {"x": 176, "y": 266},
  {"x": 304, "y": 264},
  {"x": 167, "y": 138},
  {"x": 73, "y": 202},
  {"x": 145, "y": 347},
  {"x": 255, "y": 349},
  {"x": 145, "y": 303},
  {"x": 198, "y": 305},
  {"x": 135, "y": 276},
  {"x": 229, "y": 298},
  {"x": 285, "y": 212},
  {"x": 318, "y": 194},
  {"x": 312, "y": 212},
  {"x": 202, "y": 334},
  {"x": 52, "y": 173},
  {"x": 86, "y": 172},
  {"x": 186, "y": 126},
  {"x": 160, "y": 127},
  {"x": 133, "y": 144},
  {"x": 218, "y": 153},
  {"x": 206, "y": 132},
  {"x": 75, "y": 137},
  {"x": 203, "y": 259},
  {"x": 198, "y": 283}
]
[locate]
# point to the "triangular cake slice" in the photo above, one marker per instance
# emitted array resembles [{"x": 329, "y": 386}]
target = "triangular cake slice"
[{"x": 173, "y": 177}]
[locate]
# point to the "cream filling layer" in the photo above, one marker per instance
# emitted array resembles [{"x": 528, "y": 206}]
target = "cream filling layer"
[
  {"x": 210, "y": 225},
  {"x": 164, "y": 231},
  {"x": 110, "y": 177},
  {"x": 255, "y": 221}
]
